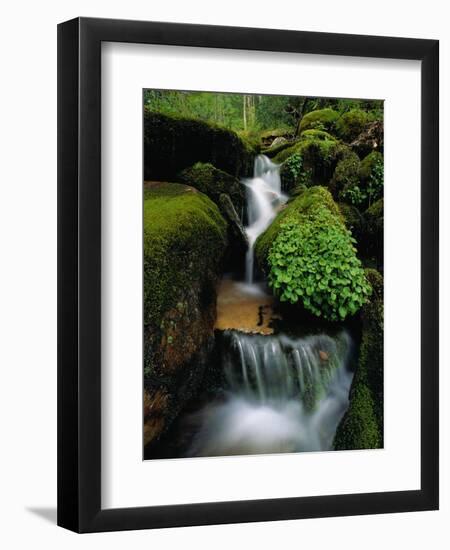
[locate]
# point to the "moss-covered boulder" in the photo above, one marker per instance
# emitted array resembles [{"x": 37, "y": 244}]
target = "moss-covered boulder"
[
  {"x": 185, "y": 238},
  {"x": 362, "y": 424},
  {"x": 369, "y": 165},
  {"x": 213, "y": 182},
  {"x": 172, "y": 144},
  {"x": 345, "y": 174},
  {"x": 293, "y": 174},
  {"x": 272, "y": 152},
  {"x": 372, "y": 237},
  {"x": 350, "y": 125},
  {"x": 322, "y": 119},
  {"x": 310, "y": 258},
  {"x": 320, "y": 153},
  {"x": 354, "y": 221}
]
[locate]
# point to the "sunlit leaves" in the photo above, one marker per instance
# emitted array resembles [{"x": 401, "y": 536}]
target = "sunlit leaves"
[{"x": 312, "y": 261}]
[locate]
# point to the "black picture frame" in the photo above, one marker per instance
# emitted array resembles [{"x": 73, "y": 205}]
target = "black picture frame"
[{"x": 79, "y": 274}]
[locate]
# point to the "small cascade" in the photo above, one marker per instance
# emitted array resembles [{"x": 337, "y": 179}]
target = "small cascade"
[
  {"x": 264, "y": 197},
  {"x": 284, "y": 395}
]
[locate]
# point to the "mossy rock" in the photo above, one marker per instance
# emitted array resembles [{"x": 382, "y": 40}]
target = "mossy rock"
[
  {"x": 359, "y": 428},
  {"x": 350, "y": 125},
  {"x": 322, "y": 119},
  {"x": 317, "y": 134},
  {"x": 213, "y": 182},
  {"x": 320, "y": 153},
  {"x": 372, "y": 238},
  {"x": 273, "y": 151},
  {"x": 368, "y": 164},
  {"x": 354, "y": 220},
  {"x": 362, "y": 424},
  {"x": 185, "y": 238},
  {"x": 173, "y": 143},
  {"x": 346, "y": 173},
  {"x": 310, "y": 260},
  {"x": 293, "y": 174}
]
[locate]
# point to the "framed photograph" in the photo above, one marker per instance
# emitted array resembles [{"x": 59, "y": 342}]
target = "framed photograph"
[{"x": 247, "y": 276}]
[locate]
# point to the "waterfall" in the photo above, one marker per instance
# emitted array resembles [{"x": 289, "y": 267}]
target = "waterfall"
[
  {"x": 283, "y": 395},
  {"x": 264, "y": 197}
]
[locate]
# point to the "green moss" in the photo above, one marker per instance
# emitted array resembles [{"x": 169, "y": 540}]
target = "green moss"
[
  {"x": 353, "y": 219},
  {"x": 368, "y": 164},
  {"x": 310, "y": 259},
  {"x": 213, "y": 182},
  {"x": 362, "y": 425},
  {"x": 272, "y": 152},
  {"x": 359, "y": 428},
  {"x": 317, "y": 134},
  {"x": 180, "y": 224},
  {"x": 276, "y": 132},
  {"x": 172, "y": 144},
  {"x": 351, "y": 124},
  {"x": 293, "y": 174},
  {"x": 320, "y": 153},
  {"x": 322, "y": 119},
  {"x": 345, "y": 173},
  {"x": 373, "y": 232}
]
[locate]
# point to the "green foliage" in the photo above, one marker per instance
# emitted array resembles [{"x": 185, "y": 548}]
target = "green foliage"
[
  {"x": 311, "y": 258},
  {"x": 362, "y": 425},
  {"x": 320, "y": 152},
  {"x": 353, "y": 194},
  {"x": 322, "y": 119},
  {"x": 351, "y": 124},
  {"x": 368, "y": 163},
  {"x": 172, "y": 143},
  {"x": 213, "y": 182},
  {"x": 293, "y": 174},
  {"x": 359, "y": 183},
  {"x": 371, "y": 173},
  {"x": 359, "y": 428},
  {"x": 345, "y": 173}
]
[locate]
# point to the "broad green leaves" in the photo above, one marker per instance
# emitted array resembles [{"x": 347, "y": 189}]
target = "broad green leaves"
[{"x": 312, "y": 261}]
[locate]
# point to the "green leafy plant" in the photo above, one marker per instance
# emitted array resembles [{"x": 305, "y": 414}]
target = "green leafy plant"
[
  {"x": 293, "y": 173},
  {"x": 353, "y": 194},
  {"x": 375, "y": 183},
  {"x": 313, "y": 261},
  {"x": 345, "y": 173}
]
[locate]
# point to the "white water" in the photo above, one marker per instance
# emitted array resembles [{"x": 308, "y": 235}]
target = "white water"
[
  {"x": 264, "y": 198},
  {"x": 285, "y": 395},
  {"x": 281, "y": 394}
]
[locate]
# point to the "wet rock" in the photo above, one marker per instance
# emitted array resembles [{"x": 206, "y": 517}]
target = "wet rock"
[
  {"x": 185, "y": 239},
  {"x": 174, "y": 143}
]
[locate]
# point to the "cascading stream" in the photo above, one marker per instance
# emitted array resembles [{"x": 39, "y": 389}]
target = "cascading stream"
[
  {"x": 264, "y": 198},
  {"x": 281, "y": 394},
  {"x": 284, "y": 395}
]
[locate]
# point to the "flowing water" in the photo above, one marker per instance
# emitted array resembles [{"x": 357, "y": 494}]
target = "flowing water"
[
  {"x": 264, "y": 198},
  {"x": 281, "y": 394},
  {"x": 274, "y": 393}
]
